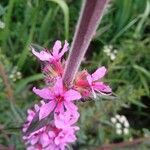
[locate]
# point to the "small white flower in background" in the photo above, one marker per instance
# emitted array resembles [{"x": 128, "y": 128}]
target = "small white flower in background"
[
  {"x": 115, "y": 51},
  {"x": 2, "y": 25},
  {"x": 126, "y": 131},
  {"x": 110, "y": 51},
  {"x": 126, "y": 124},
  {"x": 118, "y": 125},
  {"x": 15, "y": 74},
  {"x": 122, "y": 119},
  {"x": 146, "y": 135},
  {"x": 121, "y": 124},
  {"x": 19, "y": 75},
  {"x": 119, "y": 131},
  {"x": 107, "y": 49},
  {"x": 112, "y": 56},
  {"x": 118, "y": 117},
  {"x": 113, "y": 120}
]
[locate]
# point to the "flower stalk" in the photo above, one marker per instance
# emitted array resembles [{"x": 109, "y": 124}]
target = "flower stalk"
[{"x": 90, "y": 17}]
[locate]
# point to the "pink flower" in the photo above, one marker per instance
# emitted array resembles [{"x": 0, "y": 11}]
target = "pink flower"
[
  {"x": 66, "y": 135},
  {"x": 59, "y": 99},
  {"x": 96, "y": 85},
  {"x": 66, "y": 119},
  {"x": 55, "y": 55},
  {"x": 51, "y": 137},
  {"x": 52, "y": 71},
  {"x": 81, "y": 84}
]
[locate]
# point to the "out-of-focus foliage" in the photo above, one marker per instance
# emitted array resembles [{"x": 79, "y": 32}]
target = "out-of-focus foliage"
[{"x": 122, "y": 43}]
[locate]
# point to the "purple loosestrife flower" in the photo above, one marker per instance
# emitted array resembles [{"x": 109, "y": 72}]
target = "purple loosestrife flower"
[
  {"x": 58, "y": 100},
  {"x": 58, "y": 97},
  {"x": 55, "y": 55},
  {"x": 52, "y": 66},
  {"x": 66, "y": 118},
  {"x": 97, "y": 85},
  {"x": 87, "y": 84}
]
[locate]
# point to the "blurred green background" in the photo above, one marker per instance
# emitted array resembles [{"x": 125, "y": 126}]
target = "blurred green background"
[{"x": 121, "y": 43}]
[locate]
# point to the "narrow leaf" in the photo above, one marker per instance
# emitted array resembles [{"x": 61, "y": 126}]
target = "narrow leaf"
[
  {"x": 63, "y": 5},
  {"x": 22, "y": 84},
  {"x": 37, "y": 124}
]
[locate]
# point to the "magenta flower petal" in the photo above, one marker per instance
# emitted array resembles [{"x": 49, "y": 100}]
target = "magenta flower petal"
[
  {"x": 42, "y": 55},
  {"x": 70, "y": 106},
  {"x": 44, "y": 139},
  {"x": 65, "y": 49},
  {"x": 58, "y": 87},
  {"x": 31, "y": 148},
  {"x": 101, "y": 87},
  {"x": 93, "y": 92},
  {"x": 72, "y": 95},
  {"x": 99, "y": 73},
  {"x": 56, "y": 48},
  {"x": 89, "y": 79},
  {"x": 44, "y": 93},
  {"x": 66, "y": 119},
  {"x": 65, "y": 136},
  {"x": 34, "y": 140},
  {"x": 46, "y": 109},
  {"x": 59, "y": 108}
]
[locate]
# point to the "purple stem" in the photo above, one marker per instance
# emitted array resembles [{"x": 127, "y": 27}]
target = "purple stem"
[{"x": 90, "y": 16}]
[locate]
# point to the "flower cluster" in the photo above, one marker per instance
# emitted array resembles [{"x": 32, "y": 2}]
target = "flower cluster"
[
  {"x": 58, "y": 100},
  {"x": 110, "y": 52},
  {"x": 15, "y": 74},
  {"x": 53, "y": 136},
  {"x": 121, "y": 124}
]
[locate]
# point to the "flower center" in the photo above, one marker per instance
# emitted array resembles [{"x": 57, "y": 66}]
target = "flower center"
[{"x": 59, "y": 98}]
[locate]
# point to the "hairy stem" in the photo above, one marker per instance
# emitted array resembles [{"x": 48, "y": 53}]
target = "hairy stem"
[{"x": 90, "y": 16}]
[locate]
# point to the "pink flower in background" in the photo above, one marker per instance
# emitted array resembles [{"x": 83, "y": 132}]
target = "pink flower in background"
[
  {"x": 56, "y": 53},
  {"x": 97, "y": 85},
  {"x": 58, "y": 97}
]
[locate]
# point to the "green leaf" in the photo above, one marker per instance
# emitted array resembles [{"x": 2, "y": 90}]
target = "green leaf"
[
  {"x": 15, "y": 112},
  {"x": 43, "y": 35},
  {"x": 144, "y": 18},
  {"x": 63, "y": 5},
  {"x": 37, "y": 124},
  {"x": 21, "y": 85},
  {"x": 142, "y": 70},
  {"x": 123, "y": 30},
  {"x": 25, "y": 51}
]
